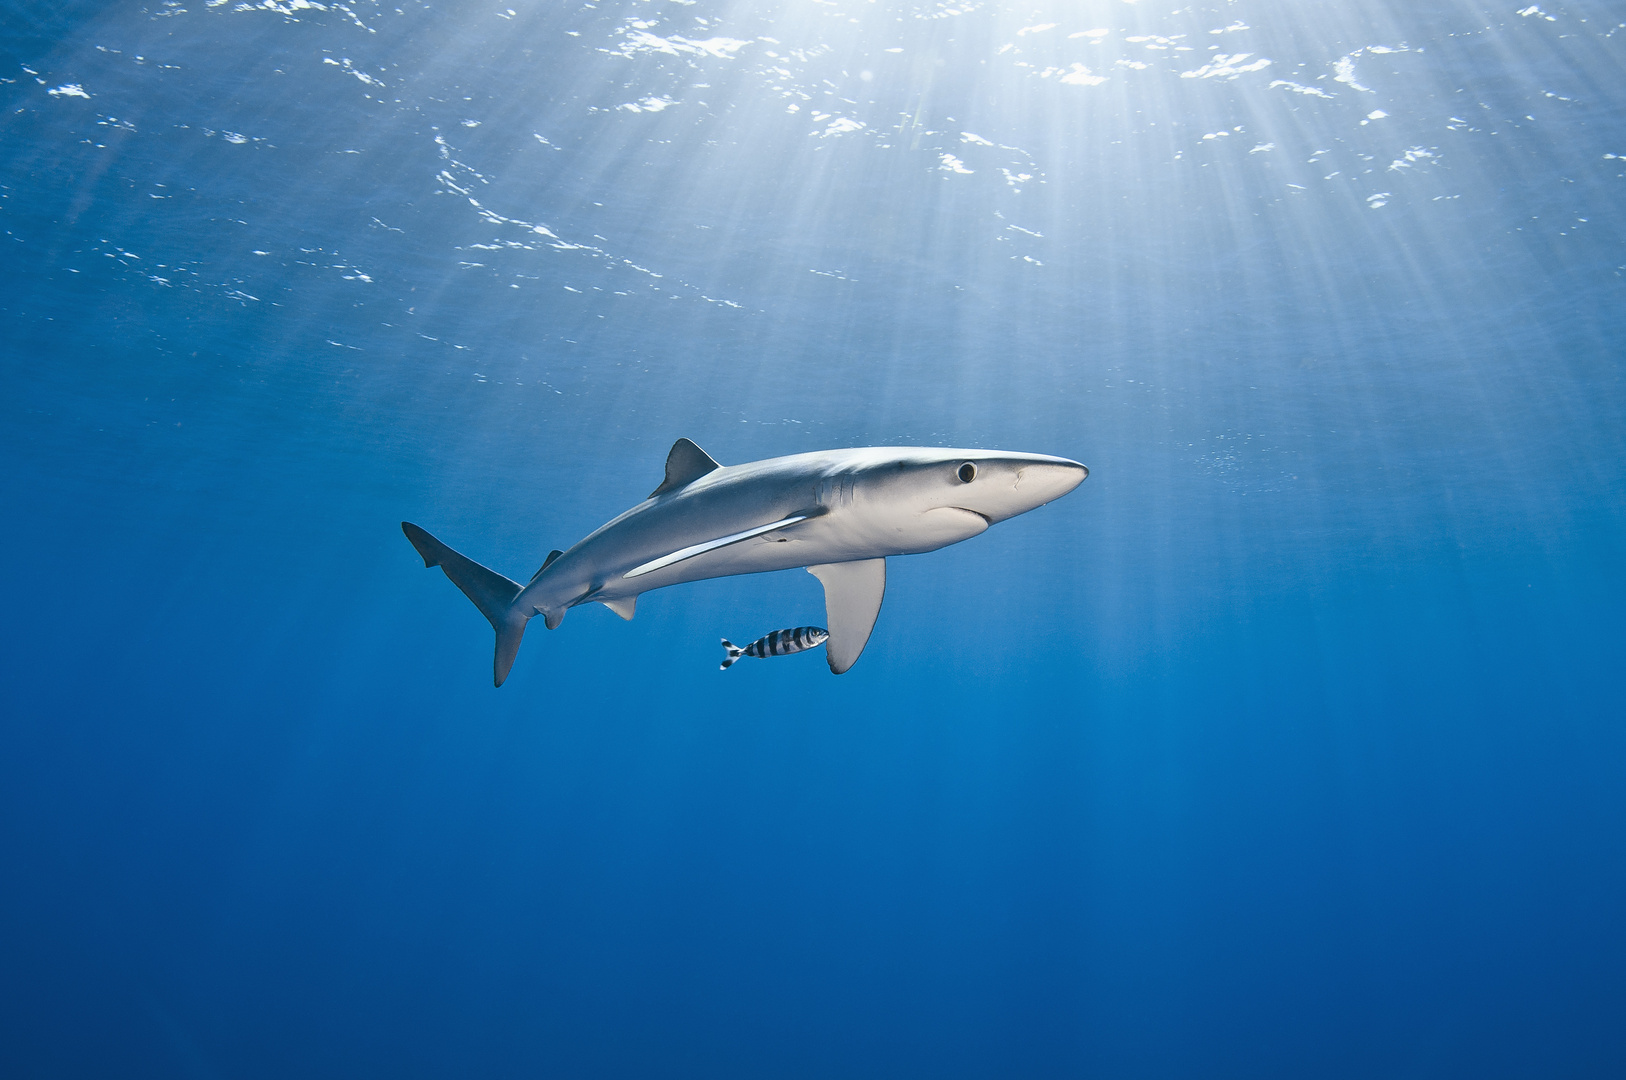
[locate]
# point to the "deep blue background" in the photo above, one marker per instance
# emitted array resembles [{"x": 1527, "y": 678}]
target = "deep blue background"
[{"x": 1290, "y": 744}]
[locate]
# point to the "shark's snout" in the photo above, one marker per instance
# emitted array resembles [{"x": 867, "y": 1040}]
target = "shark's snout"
[
  {"x": 1050, "y": 479},
  {"x": 1006, "y": 485}
]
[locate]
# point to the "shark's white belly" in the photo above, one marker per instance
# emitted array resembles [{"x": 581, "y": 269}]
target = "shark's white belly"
[{"x": 845, "y": 535}]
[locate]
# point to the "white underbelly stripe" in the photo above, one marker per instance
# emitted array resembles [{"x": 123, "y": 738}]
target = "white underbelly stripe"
[{"x": 710, "y": 545}]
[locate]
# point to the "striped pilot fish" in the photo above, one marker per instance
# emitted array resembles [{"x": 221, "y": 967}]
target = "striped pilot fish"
[{"x": 778, "y": 643}]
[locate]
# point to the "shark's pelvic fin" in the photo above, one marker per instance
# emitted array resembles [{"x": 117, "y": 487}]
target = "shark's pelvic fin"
[
  {"x": 712, "y": 545},
  {"x": 685, "y": 464},
  {"x": 852, "y": 600},
  {"x": 622, "y": 607},
  {"x": 492, "y": 593}
]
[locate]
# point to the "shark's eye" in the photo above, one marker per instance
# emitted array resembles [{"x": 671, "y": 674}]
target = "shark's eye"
[{"x": 968, "y": 472}]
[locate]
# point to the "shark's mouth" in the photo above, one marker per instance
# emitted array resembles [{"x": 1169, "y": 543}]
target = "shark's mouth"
[
  {"x": 950, "y": 524},
  {"x": 986, "y": 520}
]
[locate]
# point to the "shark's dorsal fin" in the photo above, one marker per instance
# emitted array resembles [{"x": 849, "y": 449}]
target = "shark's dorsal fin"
[
  {"x": 685, "y": 464},
  {"x": 547, "y": 562},
  {"x": 852, "y": 599},
  {"x": 622, "y": 607}
]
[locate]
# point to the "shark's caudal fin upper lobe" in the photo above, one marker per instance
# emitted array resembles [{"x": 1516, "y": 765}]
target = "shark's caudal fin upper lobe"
[{"x": 492, "y": 593}]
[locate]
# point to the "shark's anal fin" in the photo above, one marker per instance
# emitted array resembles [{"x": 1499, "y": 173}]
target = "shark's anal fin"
[
  {"x": 623, "y": 607},
  {"x": 685, "y": 464},
  {"x": 712, "y": 545},
  {"x": 852, "y": 600}
]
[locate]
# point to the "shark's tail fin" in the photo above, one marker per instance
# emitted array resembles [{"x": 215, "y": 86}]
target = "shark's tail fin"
[
  {"x": 492, "y": 593},
  {"x": 734, "y": 652}
]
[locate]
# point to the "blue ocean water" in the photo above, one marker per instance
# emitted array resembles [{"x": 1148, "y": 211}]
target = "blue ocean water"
[{"x": 1290, "y": 744}]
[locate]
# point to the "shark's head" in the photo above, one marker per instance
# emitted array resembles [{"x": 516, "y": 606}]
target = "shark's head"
[{"x": 939, "y": 496}]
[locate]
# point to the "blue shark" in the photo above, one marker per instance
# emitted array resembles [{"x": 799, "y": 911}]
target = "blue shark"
[{"x": 838, "y": 513}]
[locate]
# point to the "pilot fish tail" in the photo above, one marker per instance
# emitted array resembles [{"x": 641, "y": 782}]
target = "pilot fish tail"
[{"x": 777, "y": 643}]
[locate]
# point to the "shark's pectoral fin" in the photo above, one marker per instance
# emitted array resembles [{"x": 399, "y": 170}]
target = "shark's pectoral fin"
[
  {"x": 622, "y": 607},
  {"x": 712, "y": 545},
  {"x": 685, "y": 463},
  {"x": 852, "y": 600}
]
